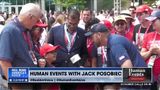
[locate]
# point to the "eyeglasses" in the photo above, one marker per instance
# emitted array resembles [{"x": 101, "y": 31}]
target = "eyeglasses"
[
  {"x": 53, "y": 53},
  {"x": 120, "y": 23},
  {"x": 36, "y": 18}
]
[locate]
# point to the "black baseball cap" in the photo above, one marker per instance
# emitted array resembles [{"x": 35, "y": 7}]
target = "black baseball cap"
[
  {"x": 99, "y": 27},
  {"x": 154, "y": 15}
]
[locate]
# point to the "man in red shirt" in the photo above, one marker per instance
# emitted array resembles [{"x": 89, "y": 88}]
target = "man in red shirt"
[
  {"x": 144, "y": 27},
  {"x": 151, "y": 46}
]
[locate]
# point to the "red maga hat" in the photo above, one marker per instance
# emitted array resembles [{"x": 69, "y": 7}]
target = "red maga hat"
[
  {"x": 46, "y": 48},
  {"x": 107, "y": 23},
  {"x": 144, "y": 8},
  {"x": 40, "y": 24}
]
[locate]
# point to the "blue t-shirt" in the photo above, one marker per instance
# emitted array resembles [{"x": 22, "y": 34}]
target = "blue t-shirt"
[
  {"x": 120, "y": 49},
  {"x": 13, "y": 46}
]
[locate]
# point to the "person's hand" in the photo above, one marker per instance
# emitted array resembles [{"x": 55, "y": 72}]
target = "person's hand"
[
  {"x": 81, "y": 66},
  {"x": 97, "y": 87},
  {"x": 42, "y": 62},
  {"x": 154, "y": 49}
]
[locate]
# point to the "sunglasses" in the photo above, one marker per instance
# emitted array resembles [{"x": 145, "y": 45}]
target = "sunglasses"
[{"x": 120, "y": 23}]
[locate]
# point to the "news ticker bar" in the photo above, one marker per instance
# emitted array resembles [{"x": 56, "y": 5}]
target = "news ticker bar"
[{"x": 79, "y": 75}]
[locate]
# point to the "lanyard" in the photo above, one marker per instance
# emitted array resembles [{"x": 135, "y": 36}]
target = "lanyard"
[
  {"x": 138, "y": 42},
  {"x": 153, "y": 57},
  {"x": 26, "y": 36},
  {"x": 36, "y": 47},
  {"x": 89, "y": 42},
  {"x": 104, "y": 56},
  {"x": 69, "y": 42}
]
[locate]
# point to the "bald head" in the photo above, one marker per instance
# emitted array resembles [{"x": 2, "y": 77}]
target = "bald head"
[{"x": 29, "y": 15}]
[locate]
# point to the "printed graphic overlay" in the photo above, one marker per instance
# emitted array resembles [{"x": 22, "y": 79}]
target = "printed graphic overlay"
[{"x": 137, "y": 76}]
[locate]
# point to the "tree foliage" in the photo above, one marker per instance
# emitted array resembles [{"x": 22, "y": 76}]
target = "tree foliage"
[
  {"x": 106, "y": 4},
  {"x": 125, "y": 4},
  {"x": 149, "y": 2},
  {"x": 70, "y": 3}
]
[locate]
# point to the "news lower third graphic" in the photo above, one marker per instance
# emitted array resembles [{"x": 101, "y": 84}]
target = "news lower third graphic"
[
  {"x": 65, "y": 75},
  {"x": 18, "y": 75},
  {"x": 137, "y": 76},
  {"x": 79, "y": 75}
]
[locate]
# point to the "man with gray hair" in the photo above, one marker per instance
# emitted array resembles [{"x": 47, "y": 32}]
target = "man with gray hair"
[{"x": 16, "y": 46}]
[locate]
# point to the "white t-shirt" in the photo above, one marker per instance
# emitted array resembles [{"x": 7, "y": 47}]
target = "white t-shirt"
[
  {"x": 43, "y": 38},
  {"x": 81, "y": 24}
]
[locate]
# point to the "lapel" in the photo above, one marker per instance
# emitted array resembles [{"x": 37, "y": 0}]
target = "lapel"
[
  {"x": 76, "y": 42},
  {"x": 61, "y": 37}
]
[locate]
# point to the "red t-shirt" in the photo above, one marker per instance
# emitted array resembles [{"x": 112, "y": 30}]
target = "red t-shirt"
[
  {"x": 148, "y": 40},
  {"x": 131, "y": 29},
  {"x": 113, "y": 31},
  {"x": 129, "y": 36}
]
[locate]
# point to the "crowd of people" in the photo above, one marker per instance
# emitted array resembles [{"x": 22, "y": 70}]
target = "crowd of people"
[{"x": 129, "y": 39}]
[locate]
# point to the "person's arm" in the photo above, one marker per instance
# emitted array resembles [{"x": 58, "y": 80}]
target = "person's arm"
[
  {"x": 127, "y": 64},
  {"x": 153, "y": 50},
  {"x": 94, "y": 62},
  {"x": 94, "y": 56},
  {"x": 50, "y": 37},
  {"x": 145, "y": 54},
  {"x": 5, "y": 65},
  {"x": 7, "y": 49},
  {"x": 121, "y": 56}
]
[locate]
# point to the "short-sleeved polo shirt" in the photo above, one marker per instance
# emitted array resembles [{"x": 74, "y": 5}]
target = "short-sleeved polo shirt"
[
  {"x": 13, "y": 46},
  {"x": 120, "y": 49}
]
